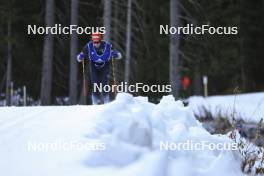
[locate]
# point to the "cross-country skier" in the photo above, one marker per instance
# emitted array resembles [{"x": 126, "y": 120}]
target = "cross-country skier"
[{"x": 99, "y": 53}]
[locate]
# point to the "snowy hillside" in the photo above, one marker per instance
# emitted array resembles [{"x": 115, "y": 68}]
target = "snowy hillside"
[
  {"x": 121, "y": 138},
  {"x": 249, "y": 107}
]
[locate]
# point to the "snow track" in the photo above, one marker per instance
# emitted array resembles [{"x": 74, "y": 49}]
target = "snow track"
[
  {"x": 129, "y": 129},
  {"x": 249, "y": 106}
]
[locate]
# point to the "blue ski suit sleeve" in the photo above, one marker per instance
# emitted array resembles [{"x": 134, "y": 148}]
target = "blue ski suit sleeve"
[{"x": 83, "y": 54}]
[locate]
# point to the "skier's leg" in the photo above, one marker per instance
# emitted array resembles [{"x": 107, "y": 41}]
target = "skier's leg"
[
  {"x": 105, "y": 81},
  {"x": 94, "y": 80},
  {"x": 106, "y": 97},
  {"x": 95, "y": 99}
]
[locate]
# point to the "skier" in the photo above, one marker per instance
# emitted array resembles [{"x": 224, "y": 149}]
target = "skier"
[{"x": 99, "y": 53}]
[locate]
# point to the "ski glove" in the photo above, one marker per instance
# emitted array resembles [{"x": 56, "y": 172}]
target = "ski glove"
[
  {"x": 115, "y": 54},
  {"x": 80, "y": 57}
]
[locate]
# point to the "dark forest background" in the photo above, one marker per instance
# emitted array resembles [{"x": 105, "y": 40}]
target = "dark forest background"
[{"x": 229, "y": 61}]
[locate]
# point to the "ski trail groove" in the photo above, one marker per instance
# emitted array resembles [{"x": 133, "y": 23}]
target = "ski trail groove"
[{"x": 9, "y": 126}]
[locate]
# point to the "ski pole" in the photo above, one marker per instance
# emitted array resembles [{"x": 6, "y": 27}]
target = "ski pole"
[
  {"x": 113, "y": 72},
  {"x": 84, "y": 80}
]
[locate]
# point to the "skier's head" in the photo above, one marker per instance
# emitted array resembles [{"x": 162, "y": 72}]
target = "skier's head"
[{"x": 96, "y": 37}]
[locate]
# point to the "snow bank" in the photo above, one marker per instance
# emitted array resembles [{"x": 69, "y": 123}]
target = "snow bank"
[
  {"x": 135, "y": 130},
  {"x": 131, "y": 131},
  {"x": 249, "y": 107}
]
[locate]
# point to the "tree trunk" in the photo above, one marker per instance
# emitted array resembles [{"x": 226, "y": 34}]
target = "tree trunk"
[
  {"x": 9, "y": 64},
  {"x": 116, "y": 21},
  {"x": 242, "y": 68},
  {"x": 107, "y": 19},
  {"x": 115, "y": 37},
  {"x": 128, "y": 41},
  {"x": 174, "y": 48},
  {"x": 46, "y": 80},
  {"x": 73, "y": 53}
]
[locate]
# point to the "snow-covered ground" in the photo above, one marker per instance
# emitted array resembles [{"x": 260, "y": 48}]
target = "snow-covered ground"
[
  {"x": 121, "y": 138},
  {"x": 249, "y": 107}
]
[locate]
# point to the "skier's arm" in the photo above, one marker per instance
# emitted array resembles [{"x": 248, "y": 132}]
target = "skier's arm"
[{"x": 83, "y": 54}]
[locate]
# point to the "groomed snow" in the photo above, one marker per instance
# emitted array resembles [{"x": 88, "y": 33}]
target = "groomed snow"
[
  {"x": 130, "y": 130},
  {"x": 249, "y": 107}
]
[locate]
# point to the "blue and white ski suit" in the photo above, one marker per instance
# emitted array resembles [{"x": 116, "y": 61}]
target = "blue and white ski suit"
[{"x": 99, "y": 66}]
